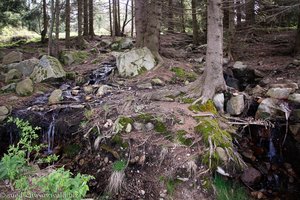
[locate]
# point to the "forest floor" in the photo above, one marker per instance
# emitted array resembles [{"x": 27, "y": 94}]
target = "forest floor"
[{"x": 159, "y": 168}]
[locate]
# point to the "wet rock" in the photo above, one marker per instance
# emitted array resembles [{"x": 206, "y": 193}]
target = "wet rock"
[
  {"x": 157, "y": 81},
  {"x": 12, "y": 75},
  {"x": 236, "y": 104},
  {"x": 12, "y": 57},
  {"x": 135, "y": 62},
  {"x": 279, "y": 93},
  {"x": 219, "y": 102},
  {"x": 144, "y": 86},
  {"x": 9, "y": 88},
  {"x": 48, "y": 67},
  {"x": 26, "y": 67},
  {"x": 149, "y": 126},
  {"x": 55, "y": 97},
  {"x": 222, "y": 154},
  {"x": 25, "y": 87},
  {"x": 104, "y": 89},
  {"x": 270, "y": 109},
  {"x": 138, "y": 126},
  {"x": 251, "y": 176},
  {"x": 295, "y": 98}
]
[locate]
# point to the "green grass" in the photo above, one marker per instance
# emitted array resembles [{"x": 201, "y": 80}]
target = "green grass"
[{"x": 227, "y": 190}]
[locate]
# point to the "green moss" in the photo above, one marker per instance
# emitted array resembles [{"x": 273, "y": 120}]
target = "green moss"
[
  {"x": 71, "y": 150},
  {"x": 124, "y": 121},
  {"x": 170, "y": 184},
  {"x": 194, "y": 108},
  {"x": 187, "y": 100},
  {"x": 118, "y": 140},
  {"x": 145, "y": 118},
  {"x": 160, "y": 127},
  {"x": 182, "y": 75},
  {"x": 214, "y": 159},
  {"x": 80, "y": 56},
  {"x": 119, "y": 166},
  {"x": 142, "y": 70},
  {"x": 181, "y": 137},
  {"x": 208, "y": 107},
  {"x": 71, "y": 75}
]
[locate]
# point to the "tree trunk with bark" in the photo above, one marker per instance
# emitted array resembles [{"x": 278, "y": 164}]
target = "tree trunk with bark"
[
  {"x": 68, "y": 21},
  {"x": 57, "y": 12},
  {"x": 238, "y": 13},
  {"x": 132, "y": 18},
  {"x": 45, "y": 22},
  {"x": 297, "y": 45},
  {"x": 195, "y": 23},
  {"x": 212, "y": 80},
  {"x": 50, "y": 43},
  {"x": 80, "y": 38},
  {"x": 182, "y": 16},
  {"x": 170, "y": 16},
  {"x": 85, "y": 18},
  {"x": 110, "y": 18},
  {"x": 125, "y": 18},
  {"x": 231, "y": 29},
  {"x": 91, "y": 19},
  {"x": 250, "y": 12}
]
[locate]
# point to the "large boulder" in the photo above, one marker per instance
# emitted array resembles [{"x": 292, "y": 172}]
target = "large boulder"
[
  {"x": 70, "y": 57},
  {"x": 25, "y": 87},
  {"x": 48, "y": 67},
  {"x": 12, "y": 74},
  {"x": 270, "y": 109},
  {"x": 295, "y": 98},
  {"x": 25, "y": 67},
  {"x": 12, "y": 57},
  {"x": 135, "y": 62}
]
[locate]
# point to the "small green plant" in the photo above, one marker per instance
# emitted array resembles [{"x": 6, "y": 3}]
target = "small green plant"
[
  {"x": 226, "y": 190},
  {"x": 119, "y": 165},
  {"x": 60, "y": 185}
]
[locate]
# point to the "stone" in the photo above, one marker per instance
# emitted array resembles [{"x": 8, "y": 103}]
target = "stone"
[
  {"x": 257, "y": 91},
  {"x": 270, "y": 109},
  {"x": 144, "y": 86},
  {"x": 12, "y": 57},
  {"x": 135, "y": 62},
  {"x": 292, "y": 85},
  {"x": 138, "y": 126},
  {"x": 295, "y": 98},
  {"x": 75, "y": 92},
  {"x": 12, "y": 75},
  {"x": 70, "y": 57},
  {"x": 103, "y": 90},
  {"x": 88, "y": 89},
  {"x": 243, "y": 74},
  {"x": 279, "y": 93},
  {"x": 219, "y": 102},
  {"x": 239, "y": 65},
  {"x": 295, "y": 115},
  {"x": 126, "y": 43},
  {"x": 48, "y": 67},
  {"x": 4, "y": 111},
  {"x": 26, "y": 67},
  {"x": 236, "y": 104},
  {"x": 25, "y": 87},
  {"x": 128, "y": 128},
  {"x": 55, "y": 97},
  {"x": 149, "y": 126},
  {"x": 157, "y": 81},
  {"x": 251, "y": 176},
  {"x": 104, "y": 43},
  {"x": 295, "y": 130},
  {"x": 9, "y": 88},
  {"x": 222, "y": 154},
  {"x": 106, "y": 160}
]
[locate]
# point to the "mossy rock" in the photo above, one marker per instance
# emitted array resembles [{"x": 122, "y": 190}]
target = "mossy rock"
[
  {"x": 71, "y": 150},
  {"x": 145, "y": 118},
  {"x": 70, "y": 57},
  {"x": 182, "y": 75},
  {"x": 181, "y": 137},
  {"x": 207, "y": 107},
  {"x": 142, "y": 70}
]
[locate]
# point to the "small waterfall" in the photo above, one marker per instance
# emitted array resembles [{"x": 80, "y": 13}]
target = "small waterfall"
[
  {"x": 272, "y": 150},
  {"x": 49, "y": 135}
]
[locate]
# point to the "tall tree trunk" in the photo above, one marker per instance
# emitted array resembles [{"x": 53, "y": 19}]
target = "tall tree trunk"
[
  {"x": 250, "y": 12},
  {"x": 182, "y": 16},
  {"x": 57, "y": 11},
  {"x": 170, "y": 16},
  {"x": 45, "y": 22},
  {"x": 132, "y": 17},
  {"x": 50, "y": 43},
  {"x": 231, "y": 29},
  {"x": 297, "y": 45},
  {"x": 110, "y": 18},
  {"x": 80, "y": 38},
  {"x": 68, "y": 21},
  {"x": 140, "y": 26},
  {"x": 238, "y": 13},
  {"x": 125, "y": 19},
  {"x": 91, "y": 19},
  {"x": 119, "y": 18},
  {"x": 195, "y": 23},
  {"x": 85, "y": 18},
  {"x": 212, "y": 79}
]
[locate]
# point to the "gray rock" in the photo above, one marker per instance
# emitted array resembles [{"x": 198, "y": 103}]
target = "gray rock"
[
  {"x": 257, "y": 91},
  {"x": 70, "y": 57},
  {"x": 236, "y": 104},
  {"x": 292, "y": 85},
  {"x": 12, "y": 57},
  {"x": 126, "y": 43},
  {"x": 157, "y": 81},
  {"x": 222, "y": 154},
  {"x": 270, "y": 109},
  {"x": 9, "y": 88},
  {"x": 12, "y": 75},
  {"x": 219, "y": 102},
  {"x": 25, "y": 67},
  {"x": 149, "y": 126},
  {"x": 55, "y": 97},
  {"x": 88, "y": 89},
  {"x": 294, "y": 98},
  {"x": 104, "y": 43},
  {"x": 251, "y": 176},
  {"x": 48, "y": 67},
  {"x": 4, "y": 111},
  {"x": 279, "y": 93},
  {"x": 104, "y": 89},
  {"x": 128, "y": 128},
  {"x": 135, "y": 62},
  {"x": 239, "y": 65},
  {"x": 138, "y": 126},
  {"x": 144, "y": 86},
  {"x": 25, "y": 87}
]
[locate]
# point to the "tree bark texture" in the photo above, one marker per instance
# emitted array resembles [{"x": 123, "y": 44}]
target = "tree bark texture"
[
  {"x": 170, "y": 16},
  {"x": 297, "y": 45},
  {"x": 195, "y": 23},
  {"x": 91, "y": 19},
  {"x": 68, "y": 21},
  {"x": 45, "y": 22},
  {"x": 110, "y": 18},
  {"x": 250, "y": 12},
  {"x": 50, "y": 43},
  {"x": 85, "y": 18}
]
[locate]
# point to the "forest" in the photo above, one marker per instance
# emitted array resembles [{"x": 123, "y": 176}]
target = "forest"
[{"x": 150, "y": 99}]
